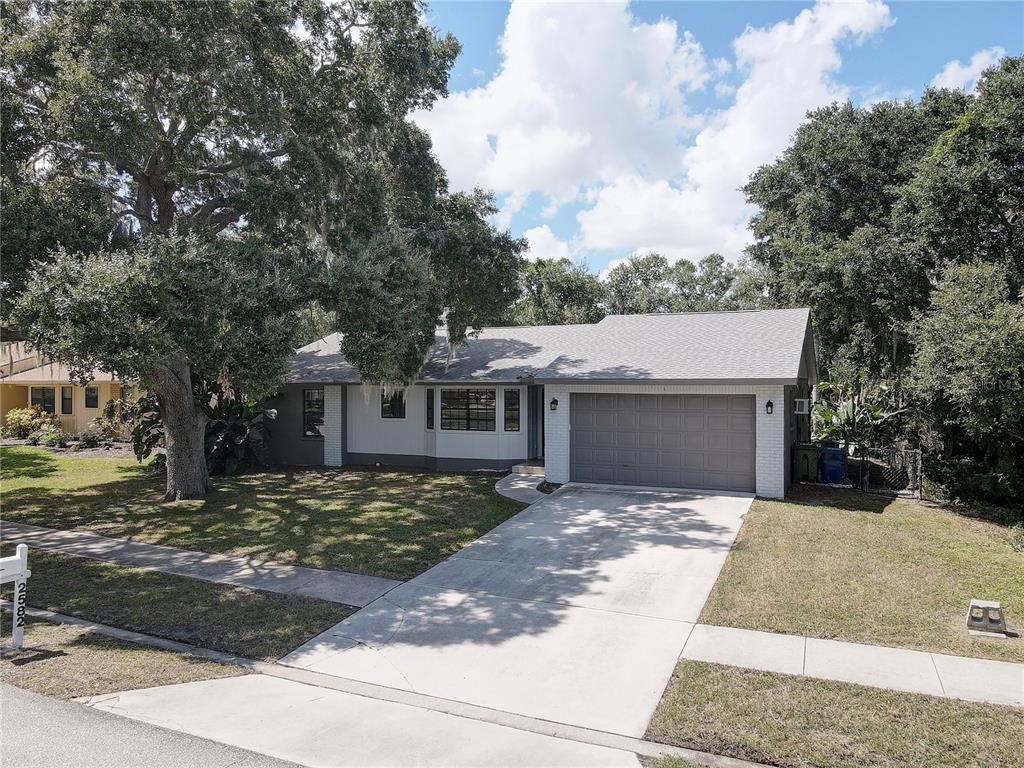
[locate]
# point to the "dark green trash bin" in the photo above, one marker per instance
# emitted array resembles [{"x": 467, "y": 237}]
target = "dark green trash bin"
[{"x": 807, "y": 463}]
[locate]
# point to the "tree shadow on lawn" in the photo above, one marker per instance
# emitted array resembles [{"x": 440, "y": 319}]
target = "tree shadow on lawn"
[
  {"x": 19, "y": 461},
  {"x": 382, "y": 523}
]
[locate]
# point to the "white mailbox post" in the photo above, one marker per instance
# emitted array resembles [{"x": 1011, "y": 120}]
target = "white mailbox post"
[{"x": 15, "y": 568}]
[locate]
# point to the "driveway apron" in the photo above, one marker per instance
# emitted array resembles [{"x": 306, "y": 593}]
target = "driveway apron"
[{"x": 574, "y": 611}]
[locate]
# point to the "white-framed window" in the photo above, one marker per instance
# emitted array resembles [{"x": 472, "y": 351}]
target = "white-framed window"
[
  {"x": 512, "y": 410},
  {"x": 392, "y": 406}
]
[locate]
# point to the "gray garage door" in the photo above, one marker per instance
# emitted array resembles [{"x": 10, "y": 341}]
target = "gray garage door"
[{"x": 686, "y": 441}]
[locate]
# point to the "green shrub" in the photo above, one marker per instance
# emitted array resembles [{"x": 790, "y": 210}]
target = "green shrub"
[
  {"x": 98, "y": 432},
  {"x": 49, "y": 435},
  {"x": 22, "y": 422}
]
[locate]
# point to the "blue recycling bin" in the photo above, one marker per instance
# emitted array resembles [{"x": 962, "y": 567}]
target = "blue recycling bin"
[{"x": 833, "y": 465}]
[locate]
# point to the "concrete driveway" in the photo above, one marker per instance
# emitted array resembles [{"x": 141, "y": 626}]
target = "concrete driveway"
[{"x": 574, "y": 610}]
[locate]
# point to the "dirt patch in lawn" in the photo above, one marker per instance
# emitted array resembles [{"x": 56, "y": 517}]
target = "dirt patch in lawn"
[
  {"x": 798, "y": 721},
  {"x": 67, "y": 662},
  {"x": 852, "y": 566}
]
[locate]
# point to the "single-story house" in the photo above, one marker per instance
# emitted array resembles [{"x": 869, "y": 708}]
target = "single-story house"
[
  {"x": 48, "y": 384},
  {"x": 703, "y": 400}
]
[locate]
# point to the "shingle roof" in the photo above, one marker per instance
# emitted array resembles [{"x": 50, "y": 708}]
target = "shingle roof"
[
  {"x": 759, "y": 345},
  {"x": 693, "y": 346}
]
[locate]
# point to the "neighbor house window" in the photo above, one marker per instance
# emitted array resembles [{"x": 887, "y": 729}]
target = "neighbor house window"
[
  {"x": 312, "y": 412},
  {"x": 392, "y": 406},
  {"x": 468, "y": 409},
  {"x": 44, "y": 397},
  {"x": 67, "y": 400},
  {"x": 92, "y": 397},
  {"x": 430, "y": 408},
  {"x": 511, "y": 410}
]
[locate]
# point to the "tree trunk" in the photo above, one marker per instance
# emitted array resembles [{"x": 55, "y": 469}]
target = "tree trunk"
[{"x": 184, "y": 432}]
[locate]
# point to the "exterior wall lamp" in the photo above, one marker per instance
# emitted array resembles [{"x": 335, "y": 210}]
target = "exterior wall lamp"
[
  {"x": 554, "y": 403},
  {"x": 769, "y": 407}
]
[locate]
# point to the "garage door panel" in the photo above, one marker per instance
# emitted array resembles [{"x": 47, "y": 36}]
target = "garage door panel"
[
  {"x": 648, "y": 439},
  {"x": 694, "y": 441},
  {"x": 671, "y": 420},
  {"x": 718, "y": 421}
]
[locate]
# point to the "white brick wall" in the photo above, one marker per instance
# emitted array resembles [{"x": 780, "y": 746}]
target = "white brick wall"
[
  {"x": 770, "y": 453},
  {"x": 771, "y": 435},
  {"x": 333, "y": 427},
  {"x": 556, "y": 435}
]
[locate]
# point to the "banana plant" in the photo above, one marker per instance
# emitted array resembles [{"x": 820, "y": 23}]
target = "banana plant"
[{"x": 854, "y": 412}]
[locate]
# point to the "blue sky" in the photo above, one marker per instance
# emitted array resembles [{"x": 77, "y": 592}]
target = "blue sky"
[{"x": 606, "y": 129}]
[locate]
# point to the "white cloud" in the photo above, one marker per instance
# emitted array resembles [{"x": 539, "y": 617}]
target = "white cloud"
[
  {"x": 787, "y": 70},
  {"x": 965, "y": 76},
  {"x": 585, "y": 93},
  {"x": 544, "y": 244}
]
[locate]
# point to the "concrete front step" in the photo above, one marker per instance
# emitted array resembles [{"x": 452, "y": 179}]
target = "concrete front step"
[{"x": 528, "y": 469}]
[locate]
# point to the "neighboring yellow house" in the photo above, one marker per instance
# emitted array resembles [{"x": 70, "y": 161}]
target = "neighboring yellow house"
[{"x": 49, "y": 386}]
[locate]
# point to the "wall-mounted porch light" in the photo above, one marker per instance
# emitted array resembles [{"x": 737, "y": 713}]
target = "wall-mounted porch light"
[
  {"x": 554, "y": 404},
  {"x": 769, "y": 407}
]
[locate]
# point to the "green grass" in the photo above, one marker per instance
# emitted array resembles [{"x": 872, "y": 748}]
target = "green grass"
[
  {"x": 245, "y": 622},
  {"x": 852, "y": 566},
  {"x": 67, "y": 661},
  {"x": 796, "y": 721},
  {"x": 394, "y": 524}
]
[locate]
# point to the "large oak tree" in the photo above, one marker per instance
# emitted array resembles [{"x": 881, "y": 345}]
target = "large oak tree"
[{"x": 259, "y": 155}]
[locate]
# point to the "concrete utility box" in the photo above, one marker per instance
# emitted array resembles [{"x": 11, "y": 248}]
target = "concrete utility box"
[{"x": 985, "y": 617}]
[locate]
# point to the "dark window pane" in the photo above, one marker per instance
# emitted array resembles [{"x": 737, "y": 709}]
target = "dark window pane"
[
  {"x": 92, "y": 397},
  {"x": 392, "y": 406},
  {"x": 312, "y": 412},
  {"x": 511, "y": 410},
  {"x": 45, "y": 398},
  {"x": 430, "y": 408},
  {"x": 453, "y": 408},
  {"x": 67, "y": 400}
]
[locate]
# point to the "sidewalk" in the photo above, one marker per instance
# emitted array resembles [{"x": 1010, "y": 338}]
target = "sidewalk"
[
  {"x": 936, "y": 674},
  {"x": 40, "y": 732},
  {"x": 335, "y": 586}
]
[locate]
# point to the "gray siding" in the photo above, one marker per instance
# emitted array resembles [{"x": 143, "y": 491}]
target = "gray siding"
[{"x": 287, "y": 443}]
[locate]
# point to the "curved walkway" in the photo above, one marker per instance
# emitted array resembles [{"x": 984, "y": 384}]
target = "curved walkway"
[{"x": 520, "y": 487}]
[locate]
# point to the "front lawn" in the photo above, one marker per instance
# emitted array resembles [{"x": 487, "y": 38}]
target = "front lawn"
[
  {"x": 394, "y": 524},
  {"x": 67, "y": 662},
  {"x": 245, "y": 622},
  {"x": 798, "y": 721},
  {"x": 847, "y": 565}
]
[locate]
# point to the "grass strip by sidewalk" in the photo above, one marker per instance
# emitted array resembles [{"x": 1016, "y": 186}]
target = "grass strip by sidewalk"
[
  {"x": 245, "y": 622},
  {"x": 394, "y": 524},
  {"x": 67, "y": 662},
  {"x": 798, "y": 721},
  {"x": 851, "y": 566}
]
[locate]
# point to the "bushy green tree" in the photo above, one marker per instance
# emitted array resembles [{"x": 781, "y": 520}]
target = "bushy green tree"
[
  {"x": 824, "y": 227},
  {"x": 968, "y": 375},
  {"x": 255, "y": 147},
  {"x": 558, "y": 292},
  {"x": 638, "y": 285}
]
